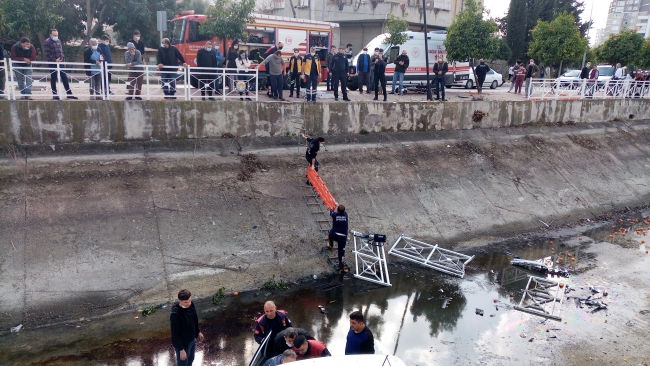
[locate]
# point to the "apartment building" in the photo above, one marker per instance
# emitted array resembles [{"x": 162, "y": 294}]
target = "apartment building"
[
  {"x": 362, "y": 20},
  {"x": 626, "y": 14}
]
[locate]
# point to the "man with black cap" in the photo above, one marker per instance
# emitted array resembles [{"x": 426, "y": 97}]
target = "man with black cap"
[{"x": 363, "y": 67}]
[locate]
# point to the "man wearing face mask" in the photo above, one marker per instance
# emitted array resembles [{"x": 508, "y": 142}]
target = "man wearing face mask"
[
  {"x": 379, "y": 71},
  {"x": 133, "y": 61},
  {"x": 295, "y": 72},
  {"x": 328, "y": 59},
  {"x": 339, "y": 67},
  {"x": 363, "y": 66},
  {"x": 168, "y": 59},
  {"x": 313, "y": 146},
  {"x": 23, "y": 54},
  {"x": 184, "y": 328},
  {"x": 205, "y": 58},
  {"x": 373, "y": 59},
  {"x": 137, "y": 42},
  {"x": 93, "y": 58},
  {"x": 348, "y": 55},
  {"x": 440, "y": 70},
  {"x": 311, "y": 71},
  {"x": 532, "y": 71},
  {"x": 104, "y": 47},
  {"x": 54, "y": 55}
]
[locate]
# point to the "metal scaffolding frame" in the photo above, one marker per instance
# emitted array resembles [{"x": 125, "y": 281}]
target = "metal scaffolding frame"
[
  {"x": 370, "y": 259},
  {"x": 431, "y": 256},
  {"x": 537, "y": 294}
]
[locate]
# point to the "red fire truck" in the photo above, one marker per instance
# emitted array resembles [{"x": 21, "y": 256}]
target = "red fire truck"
[{"x": 264, "y": 33}]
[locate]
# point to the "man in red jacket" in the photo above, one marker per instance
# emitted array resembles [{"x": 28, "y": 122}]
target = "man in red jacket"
[{"x": 306, "y": 349}]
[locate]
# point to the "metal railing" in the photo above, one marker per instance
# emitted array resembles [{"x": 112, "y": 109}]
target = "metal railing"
[
  {"x": 117, "y": 81},
  {"x": 541, "y": 89}
]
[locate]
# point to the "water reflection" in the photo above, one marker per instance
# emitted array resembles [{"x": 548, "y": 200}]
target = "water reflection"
[{"x": 407, "y": 319}]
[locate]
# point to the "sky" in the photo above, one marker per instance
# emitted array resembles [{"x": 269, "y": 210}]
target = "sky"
[{"x": 499, "y": 7}]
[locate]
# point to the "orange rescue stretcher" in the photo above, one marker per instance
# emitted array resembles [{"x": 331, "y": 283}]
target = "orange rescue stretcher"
[{"x": 321, "y": 189}]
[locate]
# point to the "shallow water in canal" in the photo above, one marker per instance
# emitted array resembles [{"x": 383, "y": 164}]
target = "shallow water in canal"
[{"x": 425, "y": 318}]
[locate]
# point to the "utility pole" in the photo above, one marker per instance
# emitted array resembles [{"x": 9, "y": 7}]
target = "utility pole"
[
  {"x": 426, "y": 47},
  {"x": 584, "y": 55}
]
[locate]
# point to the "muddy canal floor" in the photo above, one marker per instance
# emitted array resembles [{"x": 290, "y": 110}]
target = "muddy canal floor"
[{"x": 425, "y": 317}]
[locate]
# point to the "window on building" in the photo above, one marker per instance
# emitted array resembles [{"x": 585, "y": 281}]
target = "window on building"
[
  {"x": 643, "y": 20},
  {"x": 620, "y": 3},
  {"x": 626, "y": 15},
  {"x": 635, "y": 8},
  {"x": 614, "y": 21},
  {"x": 619, "y": 9},
  {"x": 615, "y": 28}
]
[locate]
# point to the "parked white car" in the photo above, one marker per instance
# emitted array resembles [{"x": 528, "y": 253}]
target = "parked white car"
[{"x": 493, "y": 79}]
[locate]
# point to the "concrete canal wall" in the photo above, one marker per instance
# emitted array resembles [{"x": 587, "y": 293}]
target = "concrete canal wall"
[{"x": 51, "y": 122}]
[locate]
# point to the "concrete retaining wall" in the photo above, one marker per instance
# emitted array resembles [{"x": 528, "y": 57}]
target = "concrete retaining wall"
[{"x": 48, "y": 122}]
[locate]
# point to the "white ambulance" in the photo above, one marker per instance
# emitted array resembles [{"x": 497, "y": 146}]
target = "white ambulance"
[{"x": 416, "y": 73}]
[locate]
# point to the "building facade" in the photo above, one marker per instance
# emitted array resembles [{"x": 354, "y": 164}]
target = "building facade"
[
  {"x": 626, "y": 14},
  {"x": 362, "y": 20}
]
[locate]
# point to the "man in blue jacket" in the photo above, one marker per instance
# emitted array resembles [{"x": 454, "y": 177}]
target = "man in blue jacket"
[
  {"x": 363, "y": 67},
  {"x": 360, "y": 339},
  {"x": 105, "y": 48}
]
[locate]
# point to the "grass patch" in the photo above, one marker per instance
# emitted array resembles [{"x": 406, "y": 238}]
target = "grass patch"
[
  {"x": 219, "y": 296},
  {"x": 149, "y": 310},
  {"x": 272, "y": 284}
]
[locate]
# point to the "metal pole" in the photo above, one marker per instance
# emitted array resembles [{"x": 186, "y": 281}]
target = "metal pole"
[
  {"x": 324, "y": 6},
  {"x": 426, "y": 48},
  {"x": 584, "y": 55}
]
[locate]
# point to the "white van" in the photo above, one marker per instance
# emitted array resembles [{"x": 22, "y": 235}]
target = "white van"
[{"x": 414, "y": 46}]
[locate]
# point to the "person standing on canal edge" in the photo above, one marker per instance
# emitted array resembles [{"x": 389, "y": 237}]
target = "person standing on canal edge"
[
  {"x": 339, "y": 66},
  {"x": 360, "y": 339},
  {"x": 328, "y": 60},
  {"x": 286, "y": 357},
  {"x": 379, "y": 71},
  {"x": 481, "y": 72},
  {"x": 311, "y": 71},
  {"x": 185, "y": 328},
  {"x": 440, "y": 70},
  {"x": 339, "y": 234},
  {"x": 273, "y": 320}
]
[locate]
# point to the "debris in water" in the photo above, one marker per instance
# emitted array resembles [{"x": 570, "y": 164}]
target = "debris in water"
[
  {"x": 446, "y": 302},
  {"x": 479, "y": 311},
  {"x": 17, "y": 328},
  {"x": 530, "y": 340},
  {"x": 644, "y": 312},
  {"x": 594, "y": 290}
]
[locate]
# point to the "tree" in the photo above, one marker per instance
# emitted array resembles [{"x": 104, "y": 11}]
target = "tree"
[
  {"x": 643, "y": 59},
  {"x": 503, "y": 51},
  {"x": 227, "y": 19},
  {"x": 470, "y": 36},
  {"x": 623, "y": 47},
  {"x": 199, "y": 6},
  {"x": 396, "y": 28},
  {"x": 141, "y": 15},
  {"x": 558, "y": 40},
  {"x": 523, "y": 16},
  {"x": 31, "y": 18}
]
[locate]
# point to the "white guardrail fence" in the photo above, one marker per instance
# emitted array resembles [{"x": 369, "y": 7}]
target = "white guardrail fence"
[
  {"x": 117, "y": 81},
  {"x": 584, "y": 89}
]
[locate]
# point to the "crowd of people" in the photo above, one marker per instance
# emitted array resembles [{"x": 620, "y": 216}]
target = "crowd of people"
[{"x": 286, "y": 343}]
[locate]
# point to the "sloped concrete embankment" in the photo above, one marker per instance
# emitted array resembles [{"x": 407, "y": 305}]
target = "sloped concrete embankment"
[
  {"x": 86, "y": 235},
  {"x": 48, "y": 122}
]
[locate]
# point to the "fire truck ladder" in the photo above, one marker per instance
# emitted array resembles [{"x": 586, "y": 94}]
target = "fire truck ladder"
[
  {"x": 431, "y": 256},
  {"x": 318, "y": 207},
  {"x": 537, "y": 294},
  {"x": 370, "y": 258}
]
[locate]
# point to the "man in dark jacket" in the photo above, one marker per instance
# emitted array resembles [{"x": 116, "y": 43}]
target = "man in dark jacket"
[
  {"x": 284, "y": 340},
  {"x": 401, "y": 64},
  {"x": 360, "y": 339},
  {"x": 313, "y": 146},
  {"x": 206, "y": 57},
  {"x": 328, "y": 59},
  {"x": 379, "y": 71},
  {"x": 185, "y": 328},
  {"x": 481, "y": 71},
  {"x": 584, "y": 73},
  {"x": 339, "y": 234},
  {"x": 93, "y": 58},
  {"x": 23, "y": 53},
  {"x": 440, "y": 70},
  {"x": 104, "y": 46},
  {"x": 274, "y": 321},
  {"x": 364, "y": 69},
  {"x": 339, "y": 66},
  {"x": 532, "y": 71},
  {"x": 169, "y": 58},
  {"x": 53, "y": 48},
  {"x": 137, "y": 42}
]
